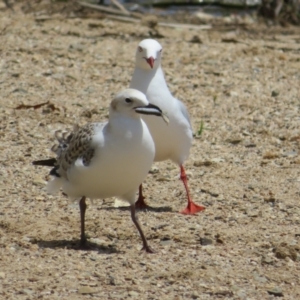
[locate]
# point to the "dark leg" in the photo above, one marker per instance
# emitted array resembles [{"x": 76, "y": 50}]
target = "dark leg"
[
  {"x": 134, "y": 219},
  {"x": 140, "y": 203},
  {"x": 82, "y": 206},
  {"x": 192, "y": 207}
]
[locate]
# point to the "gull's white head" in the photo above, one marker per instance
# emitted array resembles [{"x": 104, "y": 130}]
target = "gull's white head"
[
  {"x": 132, "y": 102},
  {"x": 148, "y": 54}
]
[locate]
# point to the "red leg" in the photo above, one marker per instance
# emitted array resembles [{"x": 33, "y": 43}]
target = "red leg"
[
  {"x": 140, "y": 203},
  {"x": 192, "y": 207}
]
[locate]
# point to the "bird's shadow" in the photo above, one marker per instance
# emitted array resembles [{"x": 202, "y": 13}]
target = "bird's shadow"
[
  {"x": 75, "y": 245},
  {"x": 149, "y": 208}
]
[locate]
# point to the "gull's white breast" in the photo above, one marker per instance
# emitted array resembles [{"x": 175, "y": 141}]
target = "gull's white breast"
[
  {"x": 174, "y": 140},
  {"x": 121, "y": 161}
]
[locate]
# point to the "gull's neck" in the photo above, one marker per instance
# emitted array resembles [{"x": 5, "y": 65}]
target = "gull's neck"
[
  {"x": 149, "y": 80},
  {"x": 121, "y": 124}
]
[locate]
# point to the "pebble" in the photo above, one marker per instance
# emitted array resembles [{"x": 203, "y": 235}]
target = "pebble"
[
  {"x": 276, "y": 291},
  {"x": 84, "y": 290},
  {"x": 133, "y": 294},
  {"x": 2, "y": 275},
  {"x": 267, "y": 260},
  {"x": 154, "y": 170},
  {"x": 165, "y": 242},
  {"x": 275, "y": 93},
  {"x": 27, "y": 291},
  {"x": 260, "y": 279},
  {"x": 205, "y": 241},
  {"x": 250, "y": 145},
  {"x": 252, "y": 214}
]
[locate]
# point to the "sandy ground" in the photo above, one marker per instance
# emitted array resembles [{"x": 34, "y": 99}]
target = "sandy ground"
[{"x": 244, "y": 167}]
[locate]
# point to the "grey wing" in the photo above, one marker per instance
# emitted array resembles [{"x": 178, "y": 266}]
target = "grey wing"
[{"x": 184, "y": 111}]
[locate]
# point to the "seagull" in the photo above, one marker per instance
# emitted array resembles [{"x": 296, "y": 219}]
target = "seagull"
[
  {"x": 174, "y": 141},
  {"x": 111, "y": 159}
]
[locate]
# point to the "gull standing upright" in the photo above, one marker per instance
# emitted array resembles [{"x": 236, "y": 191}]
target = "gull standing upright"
[
  {"x": 111, "y": 159},
  {"x": 173, "y": 141}
]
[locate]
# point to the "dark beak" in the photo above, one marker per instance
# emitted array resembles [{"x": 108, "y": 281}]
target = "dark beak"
[
  {"x": 150, "y": 61},
  {"x": 151, "y": 109}
]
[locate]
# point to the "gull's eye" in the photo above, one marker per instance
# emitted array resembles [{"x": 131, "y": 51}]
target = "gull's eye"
[
  {"x": 128, "y": 100},
  {"x": 160, "y": 50},
  {"x": 140, "y": 49}
]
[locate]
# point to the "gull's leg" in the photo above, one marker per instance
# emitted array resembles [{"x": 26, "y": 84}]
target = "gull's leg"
[
  {"x": 140, "y": 203},
  {"x": 134, "y": 219},
  {"x": 82, "y": 206},
  {"x": 192, "y": 207}
]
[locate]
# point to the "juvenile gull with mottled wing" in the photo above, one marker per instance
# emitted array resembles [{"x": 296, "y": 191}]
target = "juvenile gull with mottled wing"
[{"x": 111, "y": 159}]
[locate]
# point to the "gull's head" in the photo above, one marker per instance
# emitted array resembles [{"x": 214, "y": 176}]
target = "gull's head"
[
  {"x": 148, "y": 54},
  {"x": 133, "y": 103}
]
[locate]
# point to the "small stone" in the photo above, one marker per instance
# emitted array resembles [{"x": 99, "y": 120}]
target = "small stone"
[
  {"x": 84, "y": 290},
  {"x": 154, "y": 170},
  {"x": 166, "y": 242},
  {"x": 250, "y": 145},
  {"x": 217, "y": 160},
  {"x": 290, "y": 154},
  {"x": 58, "y": 76},
  {"x": 252, "y": 214},
  {"x": 260, "y": 279},
  {"x": 215, "y": 194},
  {"x": 111, "y": 280},
  {"x": 270, "y": 199},
  {"x": 276, "y": 291},
  {"x": 200, "y": 163},
  {"x": 275, "y": 93},
  {"x": 38, "y": 181},
  {"x": 246, "y": 133},
  {"x": 270, "y": 155},
  {"x": 282, "y": 252},
  {"x": 27, "y": 291},
  {"x": 196, "y": 39},
  {"x": 2, "y": 275},
  {"x": 162, "y": 178},
  {"x": 205, "y": 241},
  {"x": 266, "y": 260},
  {"x": 234, "y": 141},
  {"x": 133, "y": 294}
]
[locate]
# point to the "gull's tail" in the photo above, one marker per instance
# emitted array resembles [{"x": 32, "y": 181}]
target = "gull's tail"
[
  {"x": 51, "y": 162},
  {"x": 55, "y": 184}
]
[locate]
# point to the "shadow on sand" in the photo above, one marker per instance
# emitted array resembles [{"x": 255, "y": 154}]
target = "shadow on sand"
[
  {"x": 148, "y": 208},
  {"x": 75, "y": 245}
]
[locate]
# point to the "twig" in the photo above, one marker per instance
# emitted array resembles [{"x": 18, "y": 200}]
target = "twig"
[
  {"x": 105, "y": 9},
  {"x": 120, "y": 6},
  {"x": 188, "y": 26},
  {"x": 124, "y": 19}
]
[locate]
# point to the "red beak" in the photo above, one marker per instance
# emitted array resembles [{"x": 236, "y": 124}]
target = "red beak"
[{"x": 150, "y": 61}]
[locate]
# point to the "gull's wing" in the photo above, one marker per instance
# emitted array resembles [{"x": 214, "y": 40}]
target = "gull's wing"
[
  {"x": 75, "y": 145},
  {"x": 184, "y": 111}
]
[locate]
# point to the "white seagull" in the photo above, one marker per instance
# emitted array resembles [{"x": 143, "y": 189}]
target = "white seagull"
[
  {"x": 111, "y": 159},
  {"x": 174, "y": 141}
]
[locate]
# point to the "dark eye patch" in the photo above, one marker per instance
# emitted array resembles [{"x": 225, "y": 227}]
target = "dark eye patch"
[{"x": 128, "y": 100}]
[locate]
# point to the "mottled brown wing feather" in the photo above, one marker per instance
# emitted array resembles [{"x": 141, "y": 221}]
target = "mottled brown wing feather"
[{"x": 74, "y": 145}]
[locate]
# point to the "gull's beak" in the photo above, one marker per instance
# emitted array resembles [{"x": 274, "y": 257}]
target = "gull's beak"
[
  {"x": 150, "y": 61},
  {"x": 151, "y": 109}
]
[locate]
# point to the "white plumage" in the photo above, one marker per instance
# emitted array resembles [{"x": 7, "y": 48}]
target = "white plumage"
[
  {"x": 101, "y": 160},
  {"x": 174, "y": 141}
]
